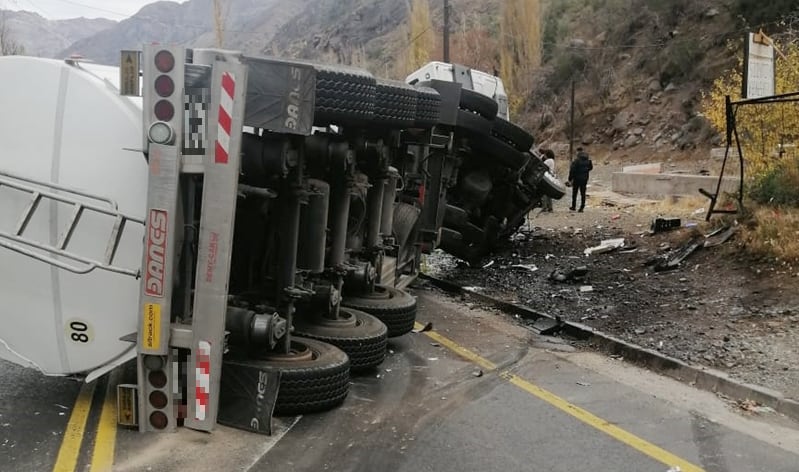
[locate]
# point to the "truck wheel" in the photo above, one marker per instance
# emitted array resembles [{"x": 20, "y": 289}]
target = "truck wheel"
[
  {"x": 315, "y": 376},
  {"x": 507, "y": 131},
  {"x": 395, "y": 103},
  {"x": 504, "y": 153},
  {"x": 343, "y": 95},
  {"x": 428, "y": 107},
  {"x": 473, "y": 123},
  {"x": 395, "y": 308},
  {"x": 479, "y": 103},
  {"x": 362, "y": 336}
]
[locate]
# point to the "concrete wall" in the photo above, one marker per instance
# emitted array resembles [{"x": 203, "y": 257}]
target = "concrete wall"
[
  {"x": 644, "y": 169},
  {"x": 661, "y": 185}
]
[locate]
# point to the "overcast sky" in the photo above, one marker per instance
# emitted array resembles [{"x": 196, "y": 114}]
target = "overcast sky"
[{"x": 60, "y": 9}]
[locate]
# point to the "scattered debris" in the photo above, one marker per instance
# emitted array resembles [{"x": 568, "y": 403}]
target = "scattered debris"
[
  {"x": 477, "y": 373},
  {"x": 607, "y": 245},
  {"x": 673, "y": 260},
  {"x": 435, "y": 344},
  {"x": 488, "y": 264},
  {"x": 586, "y": 288},
  {"x": 720, "y": 236},
  {"x": 583, "y": 384},
  {"x": 751, "y": 406},
  {"x": 676, "y": 468},
  {"x": 432, "y": 358},
  {"x": 576, "y": 274},
  {"x": 528, "y": 267},
  {"x": 660, "y": 225},
  {"x": 547, "y": 326},
  {"x": 425, "y": 328},
  {"x": 699, "y": 211}
]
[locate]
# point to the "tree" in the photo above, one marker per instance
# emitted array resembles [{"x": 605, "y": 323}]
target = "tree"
[
  {"x": 220, "y": 18},
  {"x": 421, "y": 36},
  {"x": 765, "y": 129},
  {"x": 520, "y": 47},
  {"x": 8, "y": 46}
]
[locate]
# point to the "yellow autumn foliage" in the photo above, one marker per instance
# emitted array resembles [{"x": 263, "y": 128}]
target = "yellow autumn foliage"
[
  {"x": 764, "y": 130},
  {"x": 421, "y": 35},
  {"x": 519, "y": 48}
]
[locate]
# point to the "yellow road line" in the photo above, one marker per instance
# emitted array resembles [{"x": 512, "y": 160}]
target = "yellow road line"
[
  {"x": 625, "y": 437},
  {"x": 105, "y": 442},
  {"x": 67, "y": 459}
]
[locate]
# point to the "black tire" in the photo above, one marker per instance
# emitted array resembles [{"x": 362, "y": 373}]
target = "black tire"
[
  {"x": 395, "y": 308},
  {"x": 405, "y": 218},
  {"x": 514, "y": 135},
  {"x": 472, "y": 123},
  {"x": 364, "y": 342},
  {"x": 504, "y": 153},
  {"x": 479, "y": 103},
  {"x": 452, "y": 242},
  {"x": 455, "y": 217},
  {"x": 306, "y": 386},
  {"x": 343, "y": 95},
  {"x": 395, "y": 103},
  {"x": 428, "y": 107}
]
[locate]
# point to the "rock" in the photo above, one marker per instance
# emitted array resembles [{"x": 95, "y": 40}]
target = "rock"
[
  {"x": 654, "y": 85},
  {"x": 621, "y": 121},
  {"x": 630, "y": 141},
  {"x": 638, "y": 131},
  {"x": 670, "y": 88},
  {"x": 601, "y": 37},
  {"x": 711, "y": 13},
  {"x": 587, "y": 139},
  {"x": 577, "y": 43},
  {"x": 640, "y": 331},
  {"x": 624, "y": 57},
  {"x": 644, "y": 121}
]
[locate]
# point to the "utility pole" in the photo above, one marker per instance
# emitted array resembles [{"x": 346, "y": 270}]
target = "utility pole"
[
  {"x": 571, "y": 125},
  {"x": 446, "y": 30}
]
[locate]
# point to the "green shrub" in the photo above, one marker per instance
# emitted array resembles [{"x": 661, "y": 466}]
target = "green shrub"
[{"x": 778, "y": 185}]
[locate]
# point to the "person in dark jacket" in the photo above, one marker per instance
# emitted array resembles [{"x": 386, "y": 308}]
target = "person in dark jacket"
[{"x": 578, "y": 177}]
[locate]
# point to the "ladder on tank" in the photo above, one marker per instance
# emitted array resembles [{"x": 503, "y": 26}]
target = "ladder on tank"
[{"x": 81, "y": 203}]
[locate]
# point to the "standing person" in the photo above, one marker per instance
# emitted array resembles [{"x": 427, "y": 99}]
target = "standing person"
[
  {"x": 549, "y": 161},
  {"x": 578, "y": 177}
]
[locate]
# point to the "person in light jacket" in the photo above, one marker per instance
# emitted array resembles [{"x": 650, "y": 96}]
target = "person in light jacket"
[
  {"x": 579, "y": 172},
  {"x": 549, "y": 160}
]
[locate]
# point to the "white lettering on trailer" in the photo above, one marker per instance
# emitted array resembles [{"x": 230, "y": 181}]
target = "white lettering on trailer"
[{"x": 156, "y": 253}]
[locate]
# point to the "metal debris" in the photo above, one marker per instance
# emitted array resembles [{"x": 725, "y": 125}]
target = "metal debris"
[
  {"x": 425, "y": 328},
  {"x": 528, "y": 267}
]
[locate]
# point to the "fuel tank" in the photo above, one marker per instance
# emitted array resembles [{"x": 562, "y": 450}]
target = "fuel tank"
[{"x": 64, "y": 124}]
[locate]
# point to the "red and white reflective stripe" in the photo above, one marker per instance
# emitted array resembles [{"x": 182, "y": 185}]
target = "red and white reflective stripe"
[
  {"x": 203, "y": 379},
  {"x": 222, "y": 151}
]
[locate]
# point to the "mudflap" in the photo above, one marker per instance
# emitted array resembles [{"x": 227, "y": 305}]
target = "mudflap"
[{"x": 247, "y": 397}]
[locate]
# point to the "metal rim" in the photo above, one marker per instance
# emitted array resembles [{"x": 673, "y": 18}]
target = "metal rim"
[{"x": 299, "y": 352}]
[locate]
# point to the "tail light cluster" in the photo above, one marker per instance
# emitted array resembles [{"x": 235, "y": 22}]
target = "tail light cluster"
[{"x": 166, "y": 82}]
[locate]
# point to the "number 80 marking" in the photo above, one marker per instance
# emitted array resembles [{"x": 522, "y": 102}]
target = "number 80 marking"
[{"x": 79, "y": 331}]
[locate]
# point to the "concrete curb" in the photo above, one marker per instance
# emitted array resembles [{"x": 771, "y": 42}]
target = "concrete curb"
[{"x": 703, "y": 378}]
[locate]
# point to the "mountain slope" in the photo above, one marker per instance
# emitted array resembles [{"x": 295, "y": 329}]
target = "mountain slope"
[
  {"x": 249, "y": 25},
  {"x": 47, "y": 38}
]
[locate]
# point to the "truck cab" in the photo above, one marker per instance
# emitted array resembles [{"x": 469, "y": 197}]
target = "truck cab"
[{"x": 471, "y": 79}]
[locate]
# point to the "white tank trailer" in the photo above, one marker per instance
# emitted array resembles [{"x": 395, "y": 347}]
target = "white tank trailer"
[{"x": 70, "y": 146}]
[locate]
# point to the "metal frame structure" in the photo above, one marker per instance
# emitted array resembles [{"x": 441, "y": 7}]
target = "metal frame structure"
[
  {"x": 163, "y": 342},
  {"x": 731, "y": 113}
]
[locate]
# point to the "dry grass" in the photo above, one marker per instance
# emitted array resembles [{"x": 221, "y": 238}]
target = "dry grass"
[{"x": 772, "y": 232}]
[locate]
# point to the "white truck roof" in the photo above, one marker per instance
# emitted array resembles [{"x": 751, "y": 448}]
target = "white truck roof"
[{"x": 473, "y": 79}]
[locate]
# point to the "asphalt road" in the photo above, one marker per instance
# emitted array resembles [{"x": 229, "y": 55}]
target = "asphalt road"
[{"x": 478, "y": 393}]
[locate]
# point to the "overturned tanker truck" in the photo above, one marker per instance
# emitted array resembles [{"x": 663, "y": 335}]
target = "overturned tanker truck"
[{"x": 238, "y": 226}]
